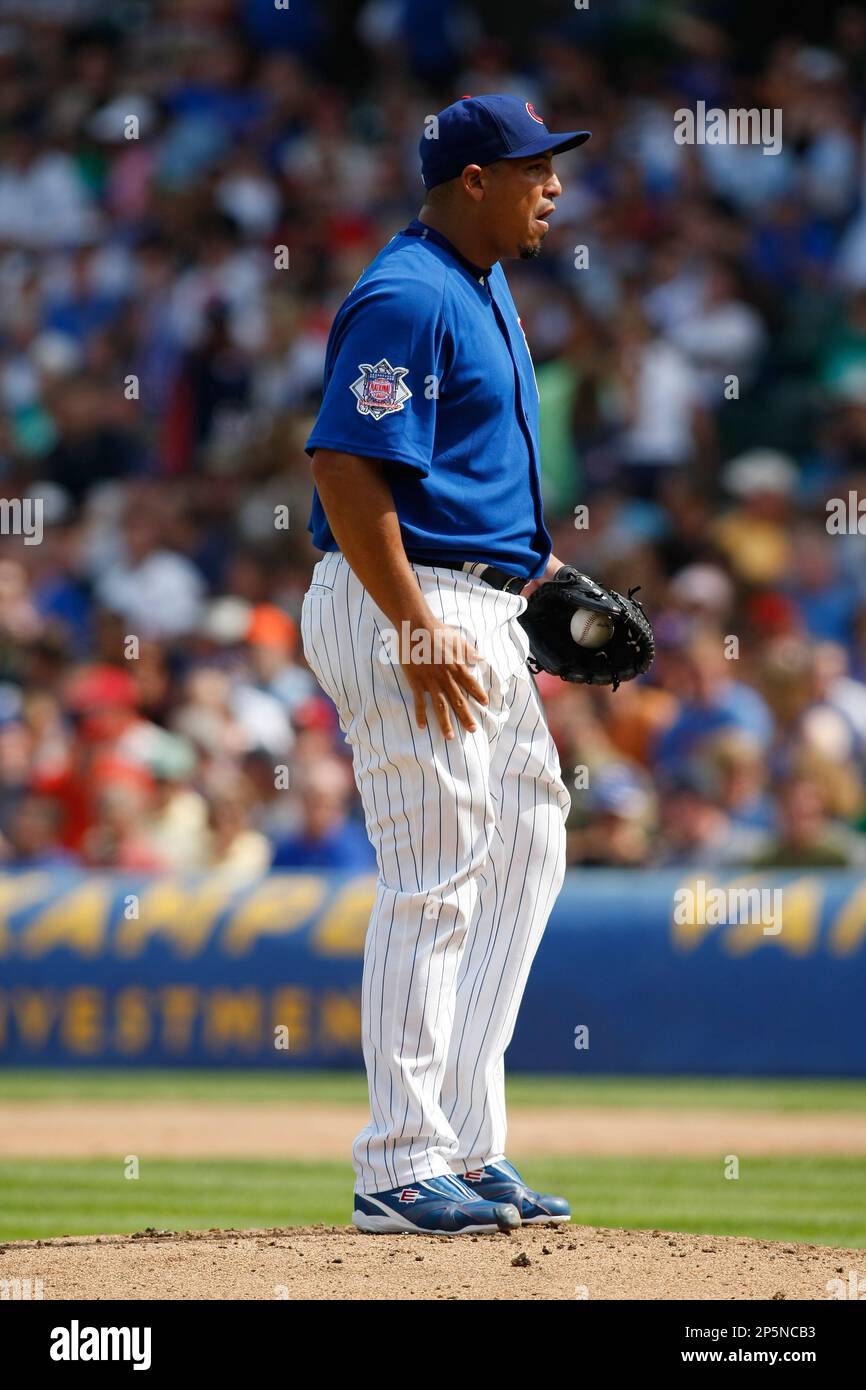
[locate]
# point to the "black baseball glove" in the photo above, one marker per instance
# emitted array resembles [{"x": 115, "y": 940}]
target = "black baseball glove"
[{"x": 627, "y": 653}]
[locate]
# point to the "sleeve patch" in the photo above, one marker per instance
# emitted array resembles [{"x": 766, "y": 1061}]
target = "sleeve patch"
[{"x": 380, "y": 389}]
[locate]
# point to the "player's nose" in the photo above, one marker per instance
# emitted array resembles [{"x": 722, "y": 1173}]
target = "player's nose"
[{"x": 553, "y": 187}]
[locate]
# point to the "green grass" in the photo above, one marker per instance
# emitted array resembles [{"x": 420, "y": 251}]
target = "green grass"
[
  {"x": 691, "y": 1093},
  {"x": 805, "y": 1199},
  {"x": 817, "y": 1200},
  {"x": 49, "y": 1197}
]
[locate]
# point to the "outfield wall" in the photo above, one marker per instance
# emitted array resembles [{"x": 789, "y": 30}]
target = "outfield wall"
[{"x": 633, "y": 975}]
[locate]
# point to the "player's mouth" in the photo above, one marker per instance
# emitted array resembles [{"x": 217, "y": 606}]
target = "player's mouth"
[{"x": 541, "y": 222}]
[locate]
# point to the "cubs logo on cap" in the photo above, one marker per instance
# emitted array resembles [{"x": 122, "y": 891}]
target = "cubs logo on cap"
[{"x": 531, "y": 109}]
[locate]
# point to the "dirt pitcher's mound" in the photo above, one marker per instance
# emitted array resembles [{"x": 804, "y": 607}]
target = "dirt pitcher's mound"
[{"x": 317, "y": 1262}]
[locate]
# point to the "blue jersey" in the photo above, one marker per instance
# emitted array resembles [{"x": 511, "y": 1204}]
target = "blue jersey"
[{"x": 428, "y": 370}]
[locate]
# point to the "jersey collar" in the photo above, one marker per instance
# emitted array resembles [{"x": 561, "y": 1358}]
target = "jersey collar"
[{"x": 420, "y": 229}]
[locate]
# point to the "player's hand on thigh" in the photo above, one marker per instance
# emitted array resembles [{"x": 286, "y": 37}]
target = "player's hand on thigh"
[{"x": 439, "y": 664}]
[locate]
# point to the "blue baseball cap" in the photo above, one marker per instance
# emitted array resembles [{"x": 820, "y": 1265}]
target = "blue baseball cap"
[{"x": 480, "y": 130}]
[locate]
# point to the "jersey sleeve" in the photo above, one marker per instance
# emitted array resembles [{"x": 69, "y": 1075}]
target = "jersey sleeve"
[{"x": 383, "y": 375}]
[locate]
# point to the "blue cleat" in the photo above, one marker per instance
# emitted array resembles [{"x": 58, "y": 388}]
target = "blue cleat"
[
  {"x": 442, "y": 1206},
  {"x": 501, "y": 1182}
]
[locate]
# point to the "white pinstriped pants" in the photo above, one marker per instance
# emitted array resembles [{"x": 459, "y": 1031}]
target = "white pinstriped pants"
[{"x": 470, "y": 842}]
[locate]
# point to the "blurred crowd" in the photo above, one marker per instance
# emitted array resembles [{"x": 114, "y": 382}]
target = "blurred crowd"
[{"x": 187, "y": 192}]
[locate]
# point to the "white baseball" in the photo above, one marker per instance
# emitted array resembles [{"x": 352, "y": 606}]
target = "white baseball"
[{"x": 590, "y": 629}]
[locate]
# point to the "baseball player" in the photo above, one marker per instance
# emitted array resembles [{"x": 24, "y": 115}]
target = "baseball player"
[{"x": 427, "y": 506}]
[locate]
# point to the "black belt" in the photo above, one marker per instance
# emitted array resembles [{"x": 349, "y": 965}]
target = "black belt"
[{"x": 497, "y": 578}]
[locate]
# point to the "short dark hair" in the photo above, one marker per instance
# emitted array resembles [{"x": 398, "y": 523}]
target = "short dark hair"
[{"x": 440, "y": 192}]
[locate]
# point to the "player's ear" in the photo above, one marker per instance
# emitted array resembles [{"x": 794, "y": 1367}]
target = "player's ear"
[{"x": 472, "y": 179}]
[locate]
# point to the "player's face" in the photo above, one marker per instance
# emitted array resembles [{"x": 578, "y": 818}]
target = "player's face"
[{"x": 521, "y": 197}]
